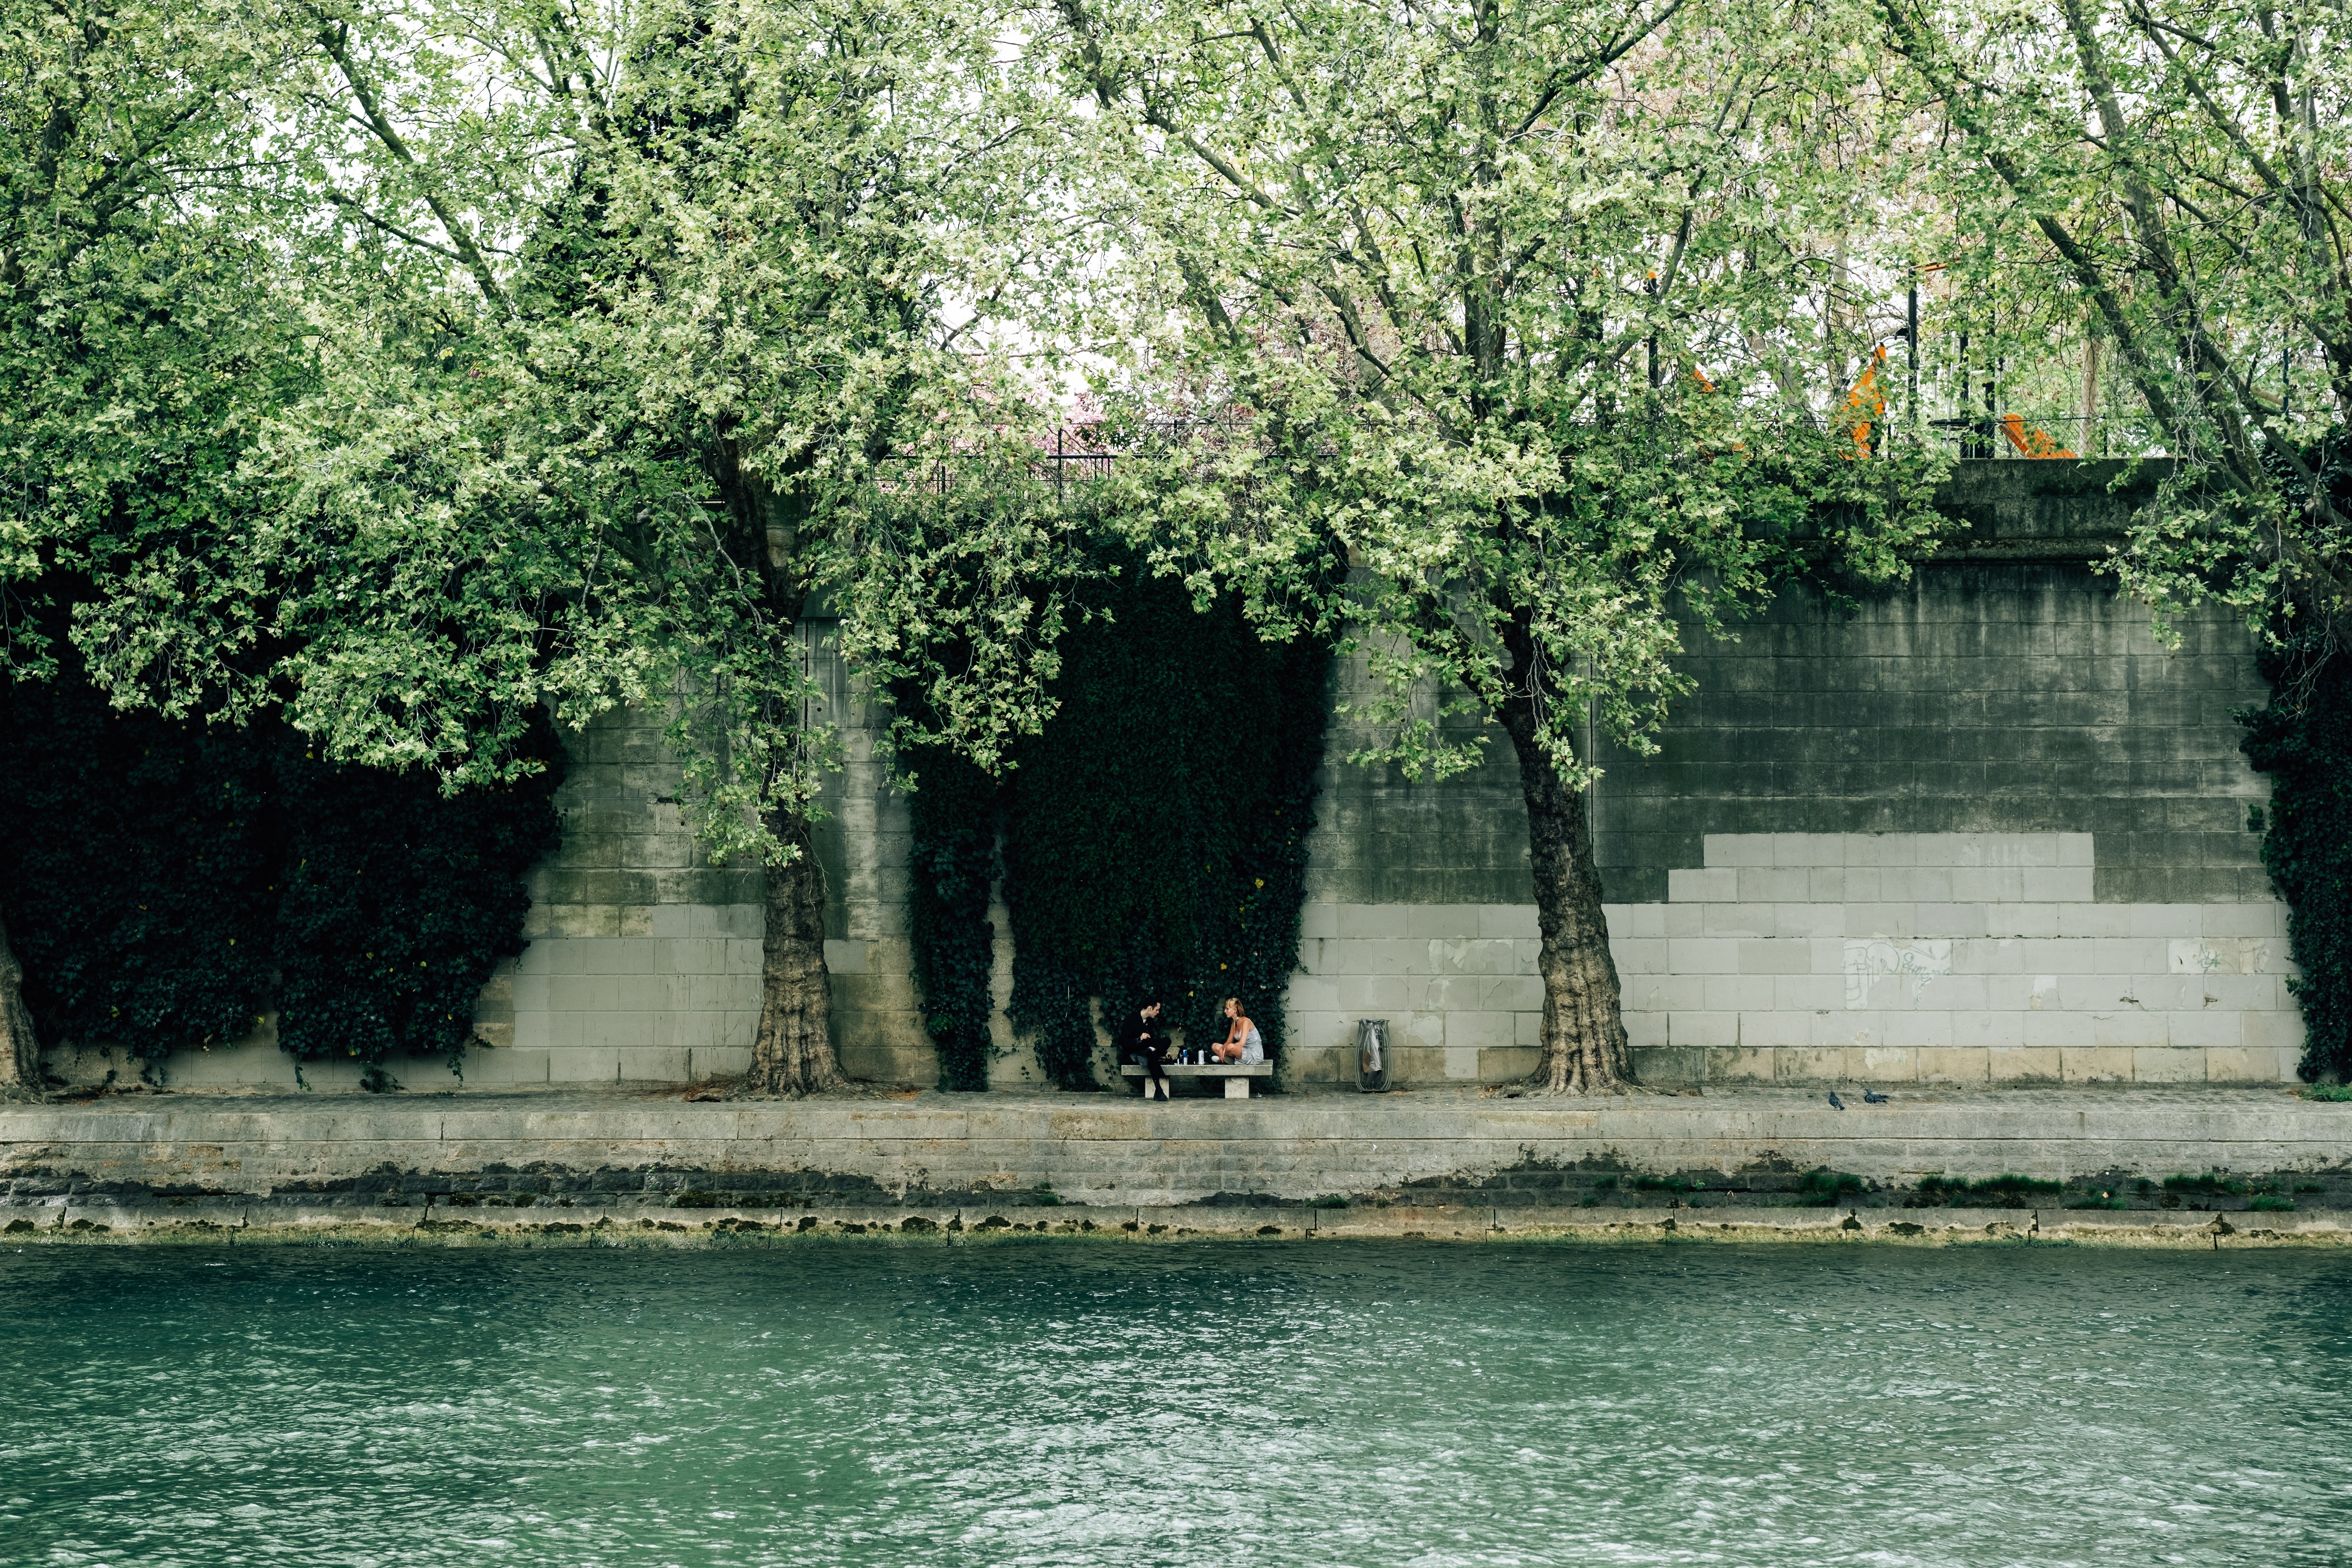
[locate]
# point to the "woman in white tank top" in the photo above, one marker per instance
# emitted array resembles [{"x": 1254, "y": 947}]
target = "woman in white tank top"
[{"x": 1242, "y": 1043}]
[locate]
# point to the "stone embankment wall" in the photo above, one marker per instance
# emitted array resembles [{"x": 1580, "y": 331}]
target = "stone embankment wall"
[
  {"x": 1980, "y": 829},
  {"x": 575, "y": 1156}
]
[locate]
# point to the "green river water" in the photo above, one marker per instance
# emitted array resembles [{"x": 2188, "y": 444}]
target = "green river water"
[{"x": 1355, "y": 1403}]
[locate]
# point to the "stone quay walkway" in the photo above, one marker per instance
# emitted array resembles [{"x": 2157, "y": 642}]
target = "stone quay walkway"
[{"x": 2131, "y": 1161}]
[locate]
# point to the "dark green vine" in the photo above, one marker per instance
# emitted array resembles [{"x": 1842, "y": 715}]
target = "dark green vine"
[
  {"x": 953, "y": 854},
  {"x": 166, "y": 884},
  {"x": 1156, "y": 832},
  {"x": 2302, "y": 738}
]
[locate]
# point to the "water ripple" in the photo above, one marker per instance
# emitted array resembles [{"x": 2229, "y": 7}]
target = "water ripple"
[{"x": 1342, "y": 1403}]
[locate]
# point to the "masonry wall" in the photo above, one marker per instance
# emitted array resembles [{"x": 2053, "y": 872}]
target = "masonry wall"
[{"x": 1980, "y": 828}]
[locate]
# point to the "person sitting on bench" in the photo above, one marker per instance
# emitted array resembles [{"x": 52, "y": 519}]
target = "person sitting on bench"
[
  {"x": 1141, "y": 1039},
  {"x": 1242, "y": 1043}
]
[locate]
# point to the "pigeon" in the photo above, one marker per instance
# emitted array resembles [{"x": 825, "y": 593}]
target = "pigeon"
[
  {"x": 1835, "y": 1101},
  {"x": 1872, "y": 1097}
]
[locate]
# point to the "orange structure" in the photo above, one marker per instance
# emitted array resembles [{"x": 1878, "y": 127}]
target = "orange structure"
[{"x": 2031, "y": 444}]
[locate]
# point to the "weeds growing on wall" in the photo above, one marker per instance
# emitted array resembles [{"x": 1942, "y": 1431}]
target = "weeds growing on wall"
[
  {"x": 1156, "y": 832},
  {"x": 166, "y": 884},
  {"x": 2302, "y": 738}
]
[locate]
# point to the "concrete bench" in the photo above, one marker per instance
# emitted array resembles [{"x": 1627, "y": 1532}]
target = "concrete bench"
[{"x": 1236, "y": 1074}]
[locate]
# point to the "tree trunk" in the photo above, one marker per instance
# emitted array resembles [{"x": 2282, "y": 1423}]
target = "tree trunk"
[
  {"x": 793, "y": 1055},
  {"x": 20, "y": 1054},
  {"x": 1584, "y": 1048}
]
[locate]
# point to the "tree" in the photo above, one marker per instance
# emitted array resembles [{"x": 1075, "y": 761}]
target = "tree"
[
  {"x": 629, "y": 327},
  {"x": 2169, "y": 182},
  {"x": 1504, "y": 332},
  {"x": 134, "y": 196}
]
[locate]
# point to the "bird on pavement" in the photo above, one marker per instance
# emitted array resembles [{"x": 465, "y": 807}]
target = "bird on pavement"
[
  {"x": 1835, "y": 1101},
  {"x": 1872, "y": 1097}
]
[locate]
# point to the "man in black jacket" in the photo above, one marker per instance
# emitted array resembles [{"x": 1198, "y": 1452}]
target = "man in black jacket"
[{"x": 1141, "y": 1039}]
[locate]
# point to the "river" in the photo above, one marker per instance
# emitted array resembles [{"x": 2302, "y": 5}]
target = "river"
[{"x": 1089, "y": 1403}]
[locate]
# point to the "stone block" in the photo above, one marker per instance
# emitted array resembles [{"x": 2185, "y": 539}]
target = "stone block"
[
  {"x": 1451, "y": 921},
  {"x": 1702, "y": 1030},
  {"x": 1807, "y": 921},
  {"x": 506, "y": 1066},
  {"x": 1880, "y": 849},
  {"x": 2168, "y": 1066},
  {"x": 1900, "y": 922},
  {"x": 1638, "y": 955},
  {"x": 651, "y": 1064},
  {"x": 2280, "y": 1031},
  {"x": 1666, "y": 1068},
  {"x": 1375, "y": 920},
  {"x": 1643, "y": 1030},
  {"x": 745, "y": 957},
  {"x": 1462, "y": 1061},
  {"x": 1737, "y": 1065},
  {"x": 1734, "y": 849},
  {"x": 1512, "y": 994},
  {"x": 1771, "y": 1030},
  {"x": 1470, "y": 1030},
  {"x": 845, "y": 957},
  {"x": 584, "y": 1064},
  {"x": 1970, "y": 1066},
  {"x": 1786, "y": 884},
  {"x": 1772, "y": 956},
  {"x": 1738, "y": 994},
  {"x": 2131, "y": 956},
  {"x": 1814, "y": 1064},
  {"x": 1987, "y": 884},
  {"x": 2064, "y": 1031},
  {"x": 1641, "y": 922},
  {"x": 2023, "y": 1066},
  {"x": 1714, "y": 887},
  {"x": 1519, "y": 920},
  {"x": 1369, "y": 995},
  {"x": 1318, "y": 920},
  {"x": 1806, "y": 850},
  {"x": 1913, "y": 1029},
  {"x": 1885, "y": 1063},
  {"x": 1808, "y": 992},
  {"x": 2094, "y": 920},
  {"x": 2266, "y": 918},
  {"x": 2026, "y": 920},
  {"x": 2165, "y": 922},
  {"x": 2235, "y": 1065},
  {"x": 2075, "y": 850},
  {"x": 1736, "y": 920},
  {"x": 2055, "y": 884},
  {"x": 1942, "y": 919},
  {"x": 2110, "y": 1066},
  {"x": 1702, "y": 955}
]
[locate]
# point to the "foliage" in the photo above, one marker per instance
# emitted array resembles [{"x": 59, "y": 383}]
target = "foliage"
[
  {"x": 2302, "y": 738},
  {"x": 140, "y": 869},
  {"x": 1494, "y": 307},
  {"x": 175, "y": 880},
  {"x": 1105, "y": 820},
  {"x": 1156, "y": 830},
  {"x": 2006, "y": 1191},
  {"x": 2164, "y": 184},
  {"x": 397, "y": 902},
  {"x": 953, "y": 855},
  {"x": 1823, "y": 1186}
]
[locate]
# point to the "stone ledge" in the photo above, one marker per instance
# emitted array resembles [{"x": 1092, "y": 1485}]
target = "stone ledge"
[{"x": 215, "y": 1222}]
